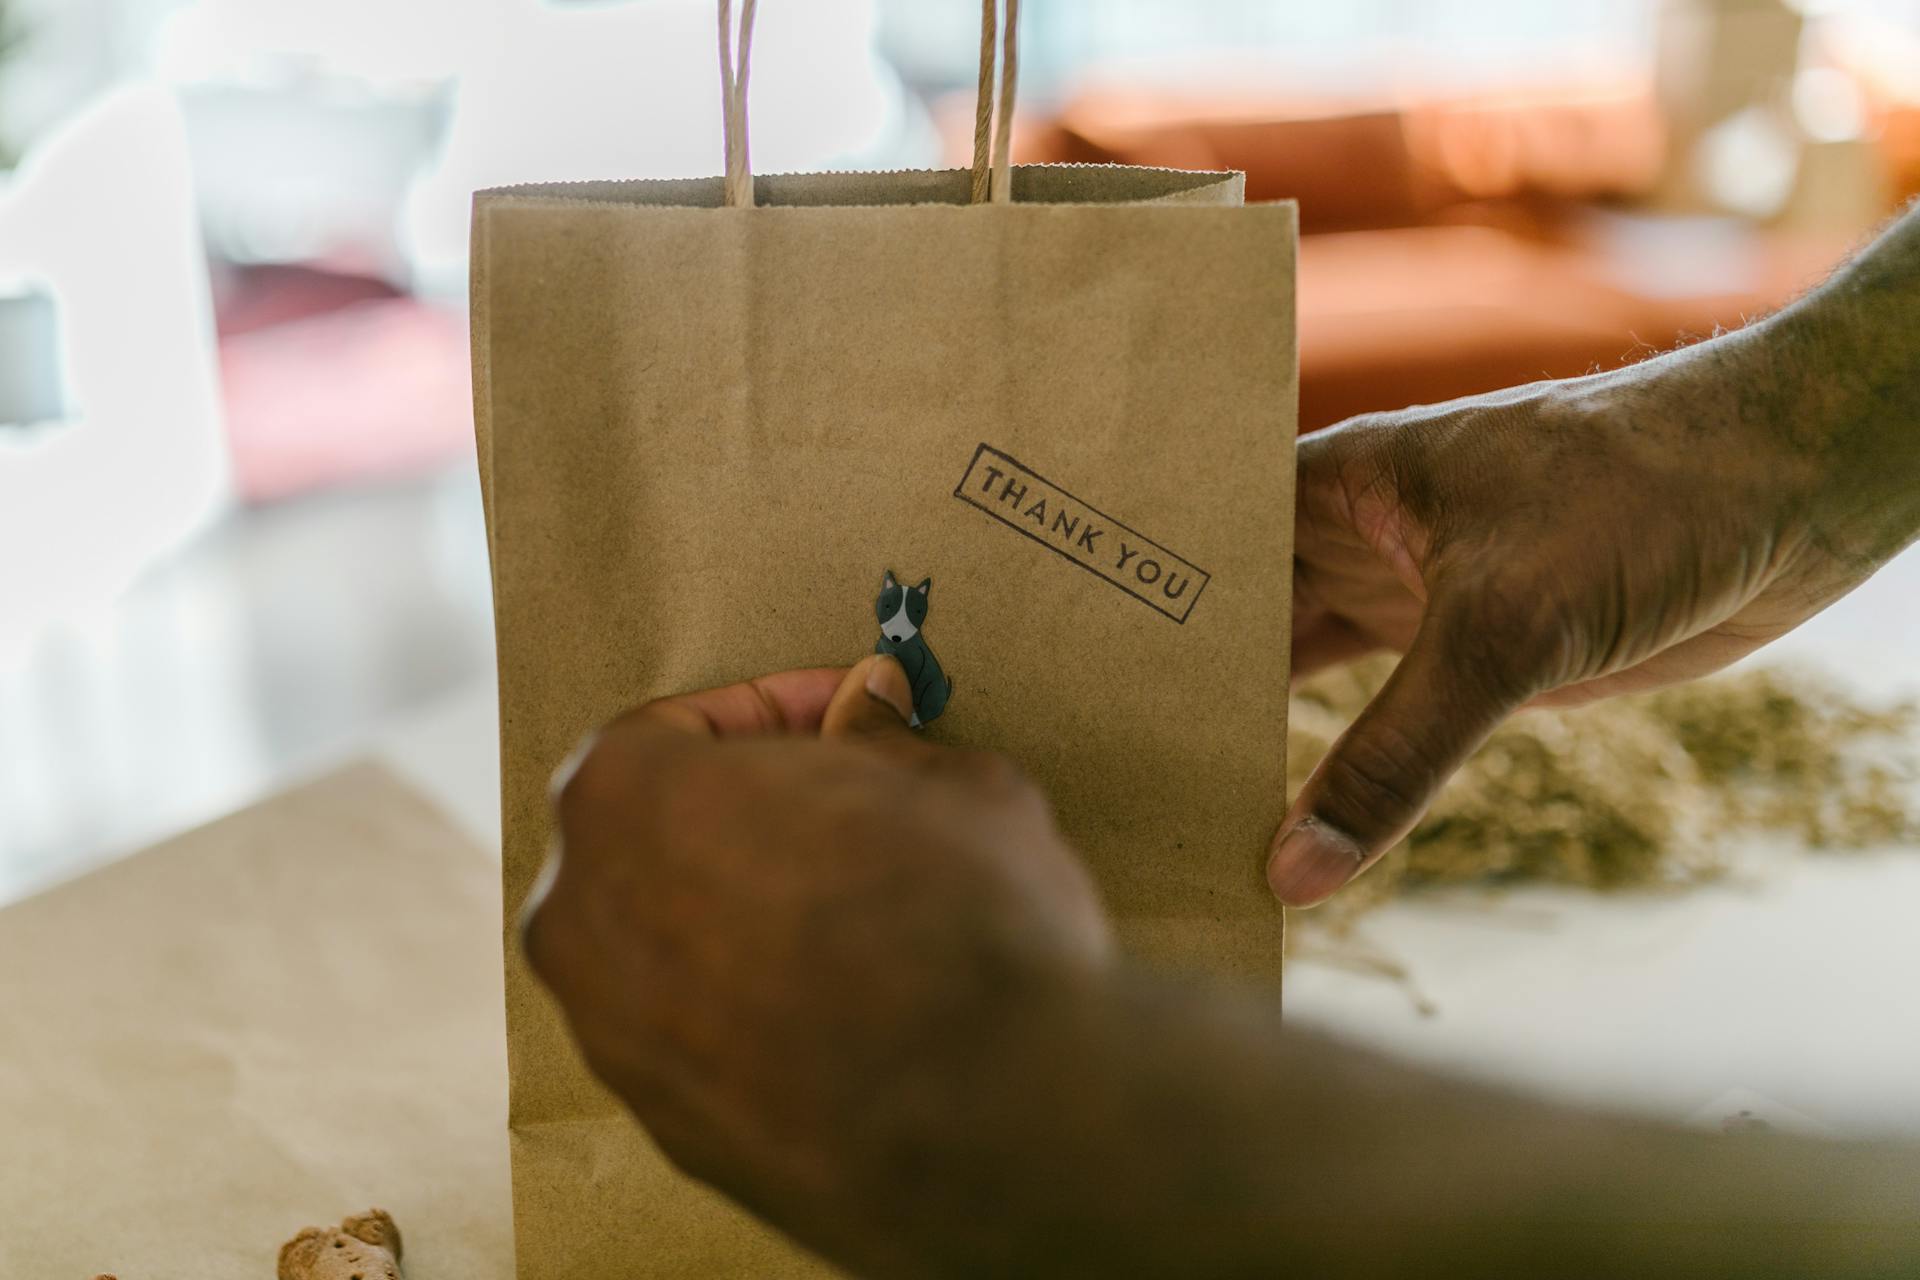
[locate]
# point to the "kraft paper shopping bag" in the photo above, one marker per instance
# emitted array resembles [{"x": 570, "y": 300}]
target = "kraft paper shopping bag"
[{"x": 1052, "y": 431}]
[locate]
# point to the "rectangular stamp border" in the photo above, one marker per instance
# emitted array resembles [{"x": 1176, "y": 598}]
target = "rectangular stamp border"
[{"x": 985, "y": 450}]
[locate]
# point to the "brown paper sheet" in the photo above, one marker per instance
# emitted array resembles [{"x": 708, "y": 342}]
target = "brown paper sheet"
[
  {"x": 704, "y": 435},
  {"x": 289, "y": 1016}
]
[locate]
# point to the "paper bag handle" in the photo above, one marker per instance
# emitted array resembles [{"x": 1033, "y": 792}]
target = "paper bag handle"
[
  {"x": 993, "y": 162},
  {"x": 733, "y": 100},
  {"x": 992, "y": 141}
]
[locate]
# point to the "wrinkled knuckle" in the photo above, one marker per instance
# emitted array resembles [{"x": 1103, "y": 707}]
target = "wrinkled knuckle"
[
  {"x": 1365, "y": 427},
  {"x": 1375, "y": 782},
  {"x": 1504, "y": 638},
  {"x": 1364, "y": 442},
  {"x": 1496, "y": 609}
]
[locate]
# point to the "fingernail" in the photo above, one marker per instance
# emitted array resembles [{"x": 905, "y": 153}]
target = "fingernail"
[
  {"x": 887, "y": 681},
  {"x": 1312, "y": 862}
]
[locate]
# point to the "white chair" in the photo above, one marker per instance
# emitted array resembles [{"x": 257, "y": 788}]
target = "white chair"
[{"x": 101, "y": 219}]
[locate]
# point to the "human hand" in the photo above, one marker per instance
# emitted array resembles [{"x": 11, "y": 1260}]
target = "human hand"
[
  {"x": 780, "y": 924},
  {"x": 1551, "y": 545}
]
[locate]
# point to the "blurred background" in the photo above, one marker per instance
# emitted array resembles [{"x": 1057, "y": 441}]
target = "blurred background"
[{"x": 240, "y": 531}]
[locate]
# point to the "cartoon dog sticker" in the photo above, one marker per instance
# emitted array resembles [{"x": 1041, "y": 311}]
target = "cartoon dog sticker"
[{"x": 902, "y": 612}]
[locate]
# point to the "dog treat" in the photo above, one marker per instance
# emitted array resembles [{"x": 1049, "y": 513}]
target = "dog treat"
[{"x": 362, "y": 1248}]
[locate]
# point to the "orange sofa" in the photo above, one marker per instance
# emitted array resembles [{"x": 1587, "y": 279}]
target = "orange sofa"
[{"x": 1454, "y": 247}]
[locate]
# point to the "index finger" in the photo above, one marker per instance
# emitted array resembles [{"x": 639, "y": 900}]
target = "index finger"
[{"x": 785, "y": 702}]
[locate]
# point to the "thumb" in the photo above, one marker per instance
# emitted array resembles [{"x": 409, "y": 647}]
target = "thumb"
[
  {"x": 875, "y": 698},
  {"x": 1380, "y": 776}
]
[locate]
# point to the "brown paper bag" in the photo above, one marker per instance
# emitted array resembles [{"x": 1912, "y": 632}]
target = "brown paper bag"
[{"x": 707, "y": 433}]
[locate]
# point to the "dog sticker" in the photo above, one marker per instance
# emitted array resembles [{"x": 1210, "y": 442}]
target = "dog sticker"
[{"x": 902, "y": 612}]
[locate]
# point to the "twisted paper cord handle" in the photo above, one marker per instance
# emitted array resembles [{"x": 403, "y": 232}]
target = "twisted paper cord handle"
[
  {"x": 734, "y": 70},
  {"x": 992, "y": 141},
  {"x": 993, "y": 166}
]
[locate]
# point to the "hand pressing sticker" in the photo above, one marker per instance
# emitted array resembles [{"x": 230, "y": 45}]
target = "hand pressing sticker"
[{"x": 903, "y": 612}]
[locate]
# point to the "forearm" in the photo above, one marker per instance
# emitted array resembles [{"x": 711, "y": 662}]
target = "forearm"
[
  {"x": 1141, "y": 1130},
  {"x": 1837, "y": 373}
]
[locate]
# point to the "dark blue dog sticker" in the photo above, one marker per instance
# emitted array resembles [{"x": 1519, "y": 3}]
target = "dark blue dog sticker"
[{"x": 902, "y": 612}]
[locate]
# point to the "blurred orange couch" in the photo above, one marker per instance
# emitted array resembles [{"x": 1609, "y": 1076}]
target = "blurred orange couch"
[{"x": 1458, "y": 246}]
